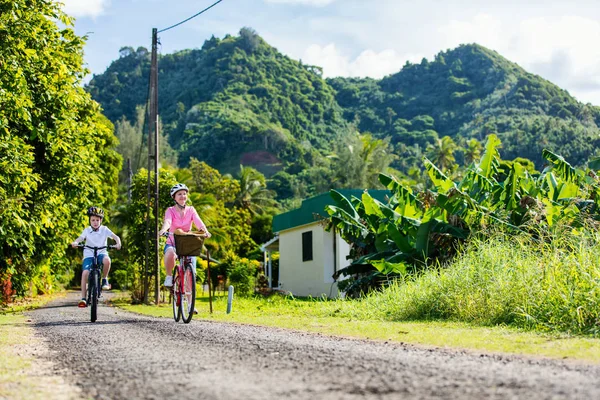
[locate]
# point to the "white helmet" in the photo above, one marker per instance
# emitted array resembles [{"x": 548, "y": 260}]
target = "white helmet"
[{"x": 177, "y": 187}]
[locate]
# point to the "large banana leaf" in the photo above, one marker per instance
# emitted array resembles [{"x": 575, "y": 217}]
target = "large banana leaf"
[
  {"x": 562, "y": 167},
  {"x": 344, "y": 203},
  {"x": 441, "y": 181},
  {"x": 488, "y": 165}
]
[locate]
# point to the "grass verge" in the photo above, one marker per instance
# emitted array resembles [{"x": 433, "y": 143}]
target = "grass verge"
[
  {"x": 22, "y": 374},
  {"x": 314, "y": 315}
]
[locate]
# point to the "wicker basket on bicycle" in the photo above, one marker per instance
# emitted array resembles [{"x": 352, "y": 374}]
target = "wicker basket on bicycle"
[{"x": 188, "y": 243}]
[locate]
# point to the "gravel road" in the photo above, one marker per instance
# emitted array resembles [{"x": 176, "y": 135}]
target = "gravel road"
[{"x": 127, "y": 356}]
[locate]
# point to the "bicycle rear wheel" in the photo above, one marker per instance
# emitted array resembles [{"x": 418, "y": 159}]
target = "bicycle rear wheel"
[
  {"x": 176, "y": 294},
  {"x": 188, "y": 298},
  {"x": 93, "y": 294}
]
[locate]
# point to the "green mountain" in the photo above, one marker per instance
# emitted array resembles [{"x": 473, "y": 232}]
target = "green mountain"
[
  {"x": 235, "y": 100},
  {"x": 238, "y": 100},
  {"x": 470, "y": 92}
]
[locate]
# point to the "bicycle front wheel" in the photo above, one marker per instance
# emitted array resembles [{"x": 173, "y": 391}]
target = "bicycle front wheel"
[
  {"x": 93, "y": 294},
  {"x": 176, "y": 294},
  {"x": 188, "y": 298}
]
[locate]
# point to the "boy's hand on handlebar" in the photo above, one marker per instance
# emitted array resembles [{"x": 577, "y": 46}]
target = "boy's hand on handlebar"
[{"x": 74, "y": 245}]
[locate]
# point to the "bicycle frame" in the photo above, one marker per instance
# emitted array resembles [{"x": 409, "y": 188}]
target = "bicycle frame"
[
  {"x": 94, "y": 288},
  {"x": 183, "y": 291}
]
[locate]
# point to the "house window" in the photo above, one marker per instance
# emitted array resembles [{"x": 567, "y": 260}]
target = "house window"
[{"x": 307, "y": 246}]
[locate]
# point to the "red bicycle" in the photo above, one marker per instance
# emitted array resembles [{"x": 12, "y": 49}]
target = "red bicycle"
[{"x": 183, "y": 291}]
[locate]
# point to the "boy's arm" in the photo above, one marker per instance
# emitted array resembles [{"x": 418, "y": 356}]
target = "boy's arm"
[
  {"x": 80, "y": 239},
  {"x": 118, "y": 240}
]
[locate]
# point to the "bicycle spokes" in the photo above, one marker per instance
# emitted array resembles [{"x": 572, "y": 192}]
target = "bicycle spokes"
[{"x": 189, "y": 293}]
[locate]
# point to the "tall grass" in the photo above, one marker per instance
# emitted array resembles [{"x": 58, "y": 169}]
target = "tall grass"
[{"x": 551, "y": 285}]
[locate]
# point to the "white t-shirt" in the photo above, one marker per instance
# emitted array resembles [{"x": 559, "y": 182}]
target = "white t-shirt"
[{"x": 95, "y": 239}]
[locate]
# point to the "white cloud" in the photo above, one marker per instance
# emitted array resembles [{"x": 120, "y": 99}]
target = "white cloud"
[
  {"x": 482, "y": 29},
  {"x": 317, "y": 3},
  {"x": 85, "y": 8},
  {"x": 561, "y": 49},
  {"x": 368, "y": 63}
]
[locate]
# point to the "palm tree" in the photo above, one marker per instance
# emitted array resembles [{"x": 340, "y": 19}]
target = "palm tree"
[
  {"x": 253, "y": 195},
  {"x": 441, "y": 153},
  {"x": 359, "y": 161},
  {"x": 473, "y": 151}
]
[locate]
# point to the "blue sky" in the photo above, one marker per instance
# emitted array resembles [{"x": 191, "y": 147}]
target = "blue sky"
[{"x": 558, "y": 40}]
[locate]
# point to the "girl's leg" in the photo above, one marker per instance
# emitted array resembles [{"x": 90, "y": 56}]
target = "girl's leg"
[{"x": 169, "y": 261}]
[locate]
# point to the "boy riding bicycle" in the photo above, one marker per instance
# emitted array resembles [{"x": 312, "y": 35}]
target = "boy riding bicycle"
[{"x": 95, "y": 235}]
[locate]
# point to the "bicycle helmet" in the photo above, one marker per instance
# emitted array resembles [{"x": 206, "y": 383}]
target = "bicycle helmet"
[
  {"x": 96, "y": 212},
  {"x": 177, "y": 187}
]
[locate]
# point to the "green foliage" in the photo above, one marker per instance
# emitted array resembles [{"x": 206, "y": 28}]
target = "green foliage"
[
  {"x": 134, "y": 218},
  {"x": 243, "y": 276},
  {"x": 56, "y": 150},
  {"x": 548, "y": 285},
  {"x": 411, "y": 231},
  {"x": 358, "y": 160}
]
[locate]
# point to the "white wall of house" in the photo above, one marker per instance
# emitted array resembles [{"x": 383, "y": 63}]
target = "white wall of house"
[{"x": 314, "y": 277}]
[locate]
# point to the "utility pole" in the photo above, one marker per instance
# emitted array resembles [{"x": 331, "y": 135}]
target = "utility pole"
[
  {"x": 152, "y": 267},
  {"x": 154, "y": 151}
]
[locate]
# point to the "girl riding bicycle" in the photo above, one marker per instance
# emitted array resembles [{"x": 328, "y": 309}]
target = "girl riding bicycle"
[
  {"x": 181, "y": 217},
  {"x": 95, "y": 235}
]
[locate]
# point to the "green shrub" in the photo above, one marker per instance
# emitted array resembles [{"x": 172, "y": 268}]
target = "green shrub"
[
  {"x": 242, "y": 280},
  {"x": 550, "y": 285}
]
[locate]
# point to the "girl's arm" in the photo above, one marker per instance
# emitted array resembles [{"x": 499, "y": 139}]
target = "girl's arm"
[
  {"x": 165, "y": 227},
  {"x": 198, "y": 222},
  {"x": 166, "y": 223}
]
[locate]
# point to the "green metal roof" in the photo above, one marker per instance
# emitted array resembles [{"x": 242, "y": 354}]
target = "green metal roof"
[{"x": 316, "y": 205}]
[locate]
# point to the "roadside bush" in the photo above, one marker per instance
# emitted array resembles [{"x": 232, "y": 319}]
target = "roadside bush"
[{"x": 242, "y": 280}]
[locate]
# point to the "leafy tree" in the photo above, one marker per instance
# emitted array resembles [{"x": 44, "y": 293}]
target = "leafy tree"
[
  {"x": 208, "y": 180},
  {"x": 131, "y": 146},
  {"x": 56, "y": 150}
]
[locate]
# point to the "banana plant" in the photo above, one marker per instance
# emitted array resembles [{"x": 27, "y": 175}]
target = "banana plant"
[{"x": 403, "y": 234}]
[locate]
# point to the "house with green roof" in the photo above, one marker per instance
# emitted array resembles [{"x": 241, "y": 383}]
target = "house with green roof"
[{"x": 309, "y": 256}]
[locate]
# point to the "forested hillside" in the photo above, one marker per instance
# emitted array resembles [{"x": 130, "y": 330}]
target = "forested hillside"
[
  {"x": 470, "y": 92},
  {"x": 237, "y": 100}
]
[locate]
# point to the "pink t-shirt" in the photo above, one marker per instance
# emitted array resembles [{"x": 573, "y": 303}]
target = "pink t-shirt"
[{"x": 189, "y": 215}]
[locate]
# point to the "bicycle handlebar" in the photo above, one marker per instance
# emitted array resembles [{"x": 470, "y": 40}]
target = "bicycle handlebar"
[
  {"x": 167, "y": 233},
  {"x": 112, "y": 246}
]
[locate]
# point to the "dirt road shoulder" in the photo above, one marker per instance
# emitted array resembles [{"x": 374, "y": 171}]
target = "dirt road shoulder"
[{"x": 25, "y": 372}]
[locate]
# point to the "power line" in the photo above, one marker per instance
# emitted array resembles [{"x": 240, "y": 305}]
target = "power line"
[{"x": 193, "y": 16}]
